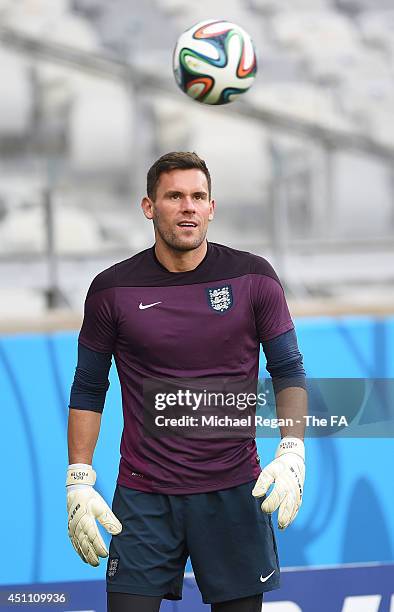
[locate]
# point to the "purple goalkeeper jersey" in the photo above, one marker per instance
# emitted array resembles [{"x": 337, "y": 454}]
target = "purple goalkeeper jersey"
[{"x": 204, "y": 323}]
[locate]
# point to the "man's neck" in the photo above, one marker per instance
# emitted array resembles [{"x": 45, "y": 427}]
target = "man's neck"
[{"x": 180, "y": 261}]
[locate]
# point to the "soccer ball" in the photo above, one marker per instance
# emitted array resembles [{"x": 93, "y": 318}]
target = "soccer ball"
[{"x": 214, "y": 62}]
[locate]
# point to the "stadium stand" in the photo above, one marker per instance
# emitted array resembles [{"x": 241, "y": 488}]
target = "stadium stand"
[{"x": 78, "y": 126}]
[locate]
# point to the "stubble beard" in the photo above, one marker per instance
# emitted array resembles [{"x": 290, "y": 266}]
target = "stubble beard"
[{"x": 174, "y": 242}]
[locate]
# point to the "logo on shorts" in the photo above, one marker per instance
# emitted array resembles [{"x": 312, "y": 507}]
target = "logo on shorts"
[
  {"x": 265, "y": 578},
  {"x": 220, "y": 299},
  {"x": 113, "y": 564}
]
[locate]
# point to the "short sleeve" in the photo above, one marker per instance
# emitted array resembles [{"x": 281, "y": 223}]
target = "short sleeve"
[
  {"x": 271, "y": 311},
  {"x": 98, "y": 331}
]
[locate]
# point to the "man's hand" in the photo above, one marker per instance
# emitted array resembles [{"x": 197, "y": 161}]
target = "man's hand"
[
  {"x": 84, "y": 506},
  {"x": 287, "y": 471}
]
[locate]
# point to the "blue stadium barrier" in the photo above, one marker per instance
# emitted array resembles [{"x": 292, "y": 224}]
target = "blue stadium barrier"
[{"x": 368, "y": 588}]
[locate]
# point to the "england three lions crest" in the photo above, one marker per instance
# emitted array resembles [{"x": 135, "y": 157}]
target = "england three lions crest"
[{"x": 220, "y": 299}]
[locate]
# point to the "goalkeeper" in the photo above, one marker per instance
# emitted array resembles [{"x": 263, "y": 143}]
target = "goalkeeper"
[{"x": 184, "y": 308}]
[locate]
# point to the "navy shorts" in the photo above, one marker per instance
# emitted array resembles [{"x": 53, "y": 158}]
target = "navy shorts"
[{"x": 230, "y": 541}]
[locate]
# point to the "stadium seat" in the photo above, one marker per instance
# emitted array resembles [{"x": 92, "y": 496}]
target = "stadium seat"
[
  {"x": 16, "y": 94},
  {"x": 311, "y": 29},
  {"x": 377, "y": 29},
  {"x": 172, "y": 7},
  {"x": 13, "y": 303},
  {"x": 23, "y": 231},
  {"x": 187, "y": 14},
  {"x": 72, "y": 31},
  {"x": 101, "y": 133},
  {"x": 273, "y": 6},
  {"x": 368, "y": 96},
  {"x": 31, "y": 16},
  {"x": 327, "y": 41},
  {"x": 356, "y": 6},
  {"x": 303, "y": 100},
  {"x": 381, "y": 124}
]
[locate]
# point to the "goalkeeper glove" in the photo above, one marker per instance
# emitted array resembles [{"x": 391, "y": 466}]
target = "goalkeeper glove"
[
  {"x": 84, "y": 506},
  {"x": 287, "y": 471}
]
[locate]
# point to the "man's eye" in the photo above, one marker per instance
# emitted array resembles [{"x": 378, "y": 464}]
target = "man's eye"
[{"x": 175, "y": 196}]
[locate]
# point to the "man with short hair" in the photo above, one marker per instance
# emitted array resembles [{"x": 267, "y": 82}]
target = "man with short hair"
[{"x": 184, "y": 308}]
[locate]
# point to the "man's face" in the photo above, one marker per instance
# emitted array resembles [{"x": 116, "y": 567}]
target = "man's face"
[{"x": 182, "y": 209}]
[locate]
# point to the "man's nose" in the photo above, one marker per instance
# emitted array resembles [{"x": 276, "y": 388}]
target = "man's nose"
[{"x": 188, "y": 204}]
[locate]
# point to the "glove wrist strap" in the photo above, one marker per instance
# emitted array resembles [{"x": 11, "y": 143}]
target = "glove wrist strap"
[
  {"x": 80, "y": 474},
  {"x": 291, "y": 445}
]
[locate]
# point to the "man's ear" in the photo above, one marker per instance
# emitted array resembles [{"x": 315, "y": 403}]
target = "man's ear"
[
  {"x": 212, "y": 210},
  {"x": 147, "y": 207}
]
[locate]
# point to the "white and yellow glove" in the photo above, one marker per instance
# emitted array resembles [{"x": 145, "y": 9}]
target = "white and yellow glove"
[
  {"x": 84, "y": 506},
  {"x": 287, "y": 471}
]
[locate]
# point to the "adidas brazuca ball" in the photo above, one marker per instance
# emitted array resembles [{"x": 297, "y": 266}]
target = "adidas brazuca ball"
[{"x": 214, "y": 62}]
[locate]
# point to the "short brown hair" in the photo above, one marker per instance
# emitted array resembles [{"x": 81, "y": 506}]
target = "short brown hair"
[{"x": 176, "y": 160}]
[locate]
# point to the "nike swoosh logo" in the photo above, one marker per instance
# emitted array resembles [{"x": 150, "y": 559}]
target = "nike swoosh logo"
[
  {"x": 266, "y": 578},
  {"x": 143, "y": 306}
]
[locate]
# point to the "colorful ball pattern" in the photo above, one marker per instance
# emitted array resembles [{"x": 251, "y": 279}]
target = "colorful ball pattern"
[{"x": 214, "y": 62}]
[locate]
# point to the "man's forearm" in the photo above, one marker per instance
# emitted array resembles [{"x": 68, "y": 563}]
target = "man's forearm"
[
  {"x": 292, "y": 403},
  {"x": 83, "y": 431}
]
